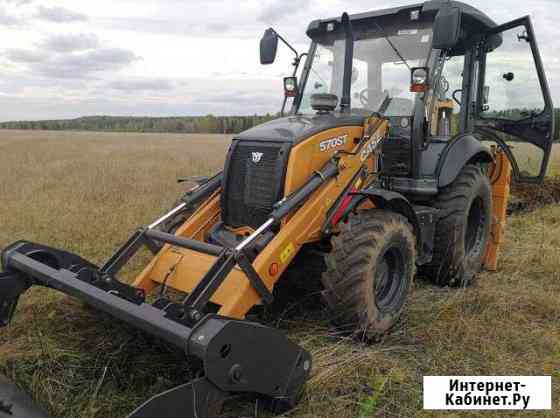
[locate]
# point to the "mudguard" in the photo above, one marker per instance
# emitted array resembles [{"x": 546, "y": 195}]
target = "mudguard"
[
  {"x": 422, "y": 218},
  {"x": 386, "y": 199},
  {"x": 459, "y": 152}
]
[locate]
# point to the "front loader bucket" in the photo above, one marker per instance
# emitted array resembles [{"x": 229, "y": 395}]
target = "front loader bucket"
[{"x": 237, "y": 356}]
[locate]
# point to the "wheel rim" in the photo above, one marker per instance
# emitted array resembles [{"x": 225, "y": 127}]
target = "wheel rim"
[
  {"x": 476, "y": 221},
  {"x": 389, "y": 280}
]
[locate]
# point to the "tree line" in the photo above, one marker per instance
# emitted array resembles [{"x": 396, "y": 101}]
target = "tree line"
[{"x": 188, "y": 124}]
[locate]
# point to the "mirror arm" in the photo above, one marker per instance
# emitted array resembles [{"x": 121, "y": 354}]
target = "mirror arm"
[
  {"x": 298, "y": 57},
  {"x": 296, "y": 63}
]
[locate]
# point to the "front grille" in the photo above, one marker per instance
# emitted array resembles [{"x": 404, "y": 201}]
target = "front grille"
[{"x": 253, "y": 183}]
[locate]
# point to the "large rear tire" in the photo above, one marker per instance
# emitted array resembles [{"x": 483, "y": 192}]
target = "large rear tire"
[
  {"x": 463, "y": 229},
  {"x": 369, "y": 273}
]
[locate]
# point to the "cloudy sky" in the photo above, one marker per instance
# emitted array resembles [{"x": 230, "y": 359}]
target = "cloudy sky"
[{"x": 69, "y": 58}]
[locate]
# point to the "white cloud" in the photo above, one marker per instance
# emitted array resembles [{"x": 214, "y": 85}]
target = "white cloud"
[
  {"x": 60, "y": 15},
  {"x": 197, "y": 56},
  {"x": 83, "y": 65},
  {"x": 25, "y": 55},
  {"x": 70, "y": 42},
  {"x": 142, "y": 85},
  {"x": 7, "y": 19},
  {"x": 18, "y": 2}
]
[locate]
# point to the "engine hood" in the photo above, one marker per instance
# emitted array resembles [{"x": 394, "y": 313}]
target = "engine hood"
[{"x": 295, "y": 129}]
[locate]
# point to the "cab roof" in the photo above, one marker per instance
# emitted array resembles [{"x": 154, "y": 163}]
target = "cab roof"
[{"x": 473, "y": 20}]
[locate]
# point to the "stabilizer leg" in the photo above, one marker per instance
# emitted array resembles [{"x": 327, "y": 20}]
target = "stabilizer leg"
[{"x": 500, "y": 175}]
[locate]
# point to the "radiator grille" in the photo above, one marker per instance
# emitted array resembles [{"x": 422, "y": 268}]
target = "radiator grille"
[{"x": 253, "y": 183}]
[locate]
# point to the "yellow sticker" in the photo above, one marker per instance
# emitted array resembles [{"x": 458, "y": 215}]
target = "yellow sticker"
[
  {"x": 358, "y": 184},
  {"x": 287, "y": 253}
]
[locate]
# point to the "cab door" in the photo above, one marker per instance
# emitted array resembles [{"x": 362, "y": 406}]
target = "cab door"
[{"x": 514, "y": 106}]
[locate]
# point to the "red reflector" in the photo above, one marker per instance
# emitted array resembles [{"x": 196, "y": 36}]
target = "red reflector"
[
  {"x": 419, "y": 88},
  {"x": 273, "y": 269}
]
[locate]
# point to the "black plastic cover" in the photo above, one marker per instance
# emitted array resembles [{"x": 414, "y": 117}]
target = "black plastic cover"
[{"x": 295, "y": 129}]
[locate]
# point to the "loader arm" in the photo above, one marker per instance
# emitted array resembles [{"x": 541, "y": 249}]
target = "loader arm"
[{"x": 183, "y": 268}]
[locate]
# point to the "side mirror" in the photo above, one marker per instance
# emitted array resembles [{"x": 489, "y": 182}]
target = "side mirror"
[
  {"x": 269, "y": 46},
  {"x": 420, "y": 82},
  {"x": 290, "y": 87},
  {"x": 447, "y": 28}
]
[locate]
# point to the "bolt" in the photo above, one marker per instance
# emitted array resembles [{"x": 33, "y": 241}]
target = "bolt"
[{"x": 196, "y": 316}]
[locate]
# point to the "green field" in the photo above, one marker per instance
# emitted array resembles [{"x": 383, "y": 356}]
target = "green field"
[{"x": 87, "y": 191}]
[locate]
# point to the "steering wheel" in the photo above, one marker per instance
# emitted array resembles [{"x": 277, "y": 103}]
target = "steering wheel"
[{"x": 365, "y": 100}]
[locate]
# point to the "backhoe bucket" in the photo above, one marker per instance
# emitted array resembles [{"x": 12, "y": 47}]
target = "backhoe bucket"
[{"x": 237, "y": 356}]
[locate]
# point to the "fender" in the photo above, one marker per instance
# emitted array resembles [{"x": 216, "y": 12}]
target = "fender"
[
  {"x": 386, "y": 199},
  {"x": 422, "y": 218},
  {"x": 459, "y": 152}
]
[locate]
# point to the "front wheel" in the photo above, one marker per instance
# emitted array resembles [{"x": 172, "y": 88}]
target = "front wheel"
[{"x": 369, "y": 273}]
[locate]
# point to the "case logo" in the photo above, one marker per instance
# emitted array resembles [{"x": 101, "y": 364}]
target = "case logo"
[
  {"x": 370, "y": 147},
  {"x": 257, "y": 157},
  {"x": 333, "y": 143}
]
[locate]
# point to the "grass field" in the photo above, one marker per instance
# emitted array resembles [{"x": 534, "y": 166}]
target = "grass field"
[{"x": 87, "y": 191}]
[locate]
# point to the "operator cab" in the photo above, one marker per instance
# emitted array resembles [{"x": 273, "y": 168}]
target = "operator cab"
[{"x": 437, "y": 71}]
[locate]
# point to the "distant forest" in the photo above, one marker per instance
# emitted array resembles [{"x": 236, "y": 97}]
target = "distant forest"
[{"x": 187, "y": 124}]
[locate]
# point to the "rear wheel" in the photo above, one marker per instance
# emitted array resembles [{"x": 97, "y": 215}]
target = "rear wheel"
[
  {"x": 369, "y": 273},
  {"x": 463, "y": 229}
]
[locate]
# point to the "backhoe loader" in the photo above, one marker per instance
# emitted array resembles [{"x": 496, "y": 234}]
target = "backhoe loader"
[{"x": 377, "y": 165}]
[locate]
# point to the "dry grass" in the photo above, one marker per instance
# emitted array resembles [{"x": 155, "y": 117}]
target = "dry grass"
[{"x": 86, "y": 192}]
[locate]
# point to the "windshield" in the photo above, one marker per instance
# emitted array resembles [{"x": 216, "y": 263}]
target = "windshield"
[{"x": 380, "y": 78}]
